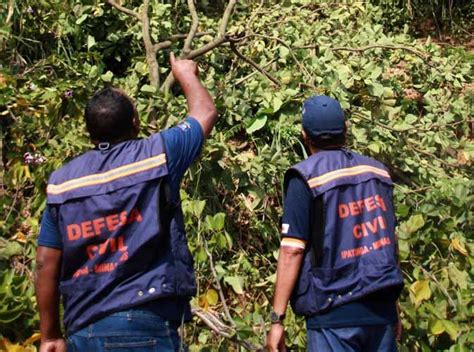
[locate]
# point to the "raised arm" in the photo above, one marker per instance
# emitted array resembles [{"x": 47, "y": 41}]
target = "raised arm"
[{"x": 200, "y": 103}]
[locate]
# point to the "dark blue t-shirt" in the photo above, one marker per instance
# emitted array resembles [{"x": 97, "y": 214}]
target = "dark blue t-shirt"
[
  {"x": 183, "y": 145},
  {"x": 378, "y": 308}
]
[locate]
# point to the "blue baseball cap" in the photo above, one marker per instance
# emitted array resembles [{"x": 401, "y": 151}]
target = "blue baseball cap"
[{"x": 323, "y": 115}]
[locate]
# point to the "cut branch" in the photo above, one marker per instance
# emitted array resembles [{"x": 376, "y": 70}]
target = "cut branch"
[
  {"x": 209, "y": 318},
  {"x": 125, "y": 10},
  {"x": 253, "y": 64}
]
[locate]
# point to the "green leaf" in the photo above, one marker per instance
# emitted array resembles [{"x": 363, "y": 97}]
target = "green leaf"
[
  {"x": 376, "y": 89},
  {"x": 236, "y": 283},
  {"x": 436, "y": 327},
  {"x": 197, "y": 207},
  {"x": 256, "y": 124},
  {"x": 376, "y": 72},
  {"x": 414, "y": 223},
  {"x": 277, "y": 103},
  {"x": 212, "y": 297},
  {"x": 458, "y": 277},
  {"x": 82, "y": 18},
  {"x": 107, "y": 77},
  {"x": 146, "y": 88},
  {"x": 90, "y": 42},
  {"x": 420, "y": 291},
  {"x": 9, "y": 250},
  {"x": 375, "y": 147},
  {"x": 219, "y": 220},
  {"x": 284, "y": 51},
  {"x": 451, "y": 328}
]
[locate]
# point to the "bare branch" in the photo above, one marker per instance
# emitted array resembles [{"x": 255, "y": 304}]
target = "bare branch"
[
  {"x": 125, "y": 10},
  {"x": 149, "y": 47},
  {"x": 380, "y": 46},
  {"x": 243, "y": 79},
  {"x": 210, "y": 323},
  {"x": 193, "y": 29},
  {"x": 174, "y": 38},
  {"x": 219, "y": 40},
  {"x": 218, "y": 284},
  {"x": 223, "y": 330},
  {"x": 226, "y": 17},
  {"x": 11, "y": 10},
  {"x": 282, "y": 42},
  {"x": 254, "y": 64}
]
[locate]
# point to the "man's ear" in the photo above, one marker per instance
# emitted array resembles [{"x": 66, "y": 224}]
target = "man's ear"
[
  {"x": 136, "y": 122},
  {"x": 305, "y": 136}
]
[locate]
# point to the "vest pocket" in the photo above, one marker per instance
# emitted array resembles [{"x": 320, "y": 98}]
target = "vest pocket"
[{"x": 303, "y": 298}]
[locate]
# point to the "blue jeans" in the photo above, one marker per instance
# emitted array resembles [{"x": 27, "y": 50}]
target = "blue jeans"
[
  {"x": 131, "y": 330},
  {"x": 371, "y": 338}
]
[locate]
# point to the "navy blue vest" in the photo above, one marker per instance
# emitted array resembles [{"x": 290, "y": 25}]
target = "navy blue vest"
[
  {"x": 356, "y": 251},
  {"x": 123, "y": 239}
]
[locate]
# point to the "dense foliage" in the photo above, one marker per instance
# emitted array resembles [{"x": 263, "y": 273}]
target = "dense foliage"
[{"x": 409, "y": 102}]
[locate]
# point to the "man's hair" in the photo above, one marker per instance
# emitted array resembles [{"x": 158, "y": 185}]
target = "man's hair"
[
  {"x": 109, "y": 115},
  {"x": 328, "y": 141}
]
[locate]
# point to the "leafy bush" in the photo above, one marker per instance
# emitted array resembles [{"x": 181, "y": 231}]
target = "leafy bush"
[{"x": 409, "y": 103}]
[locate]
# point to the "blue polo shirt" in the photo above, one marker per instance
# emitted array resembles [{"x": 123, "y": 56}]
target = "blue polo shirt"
[
  {"x": 378, "y": 308},
  {"x": 183, "y": 145}
]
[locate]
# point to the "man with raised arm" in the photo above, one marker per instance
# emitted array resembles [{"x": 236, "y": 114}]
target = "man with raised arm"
[
  {"x": 112, "y": 241},
  {"x": 338, "y": 257}
]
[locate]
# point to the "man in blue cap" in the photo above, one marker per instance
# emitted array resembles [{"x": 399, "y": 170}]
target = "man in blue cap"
[{"x": 338, "y": 260}]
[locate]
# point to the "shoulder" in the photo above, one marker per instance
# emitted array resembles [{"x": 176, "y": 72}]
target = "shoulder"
[
  {"x": 188, "y": 127},
  {"x": 363, "y": 159},
  {"x": 70, "y": 168}
]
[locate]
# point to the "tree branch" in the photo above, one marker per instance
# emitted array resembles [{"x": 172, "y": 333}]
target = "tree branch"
[
  {"x": 193, "y": 29},
  {"x": 149, "y": 47},
  {"x": 282, "y": 42},
  {"x": 207, "y": 318},
  {"x": 174, "y": 38},
  {"x": 218, "y": 284},
  {"x": 253, "y": 64},
  {"x": 11, "y": 10},
  {"x": 223, "y": 330},
  {"x": 380, "y": 46},
  {"x": 221, "y": 38},
  {"x": 124, "y": 10},
  {"x": 243, "y": 79}
]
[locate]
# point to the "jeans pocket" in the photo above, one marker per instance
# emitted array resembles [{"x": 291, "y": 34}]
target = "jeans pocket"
[
  {"x": 138, "y": 344},
  {"x": 130, "y": 343}
]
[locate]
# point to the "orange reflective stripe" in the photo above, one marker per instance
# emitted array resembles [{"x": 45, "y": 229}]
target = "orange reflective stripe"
[
  {"x": 350, "y": 171},
  {"x": 111, "y": 175}
]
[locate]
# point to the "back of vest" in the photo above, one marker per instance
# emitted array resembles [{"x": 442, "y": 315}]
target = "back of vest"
[
  {"x": 356, "y": 245},
  {"x": 123, "y": 245}
]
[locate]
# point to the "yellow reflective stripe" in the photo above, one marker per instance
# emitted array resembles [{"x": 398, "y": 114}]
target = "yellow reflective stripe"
[
  {"x": 293, "y": 242},
  {"x": 350, "y": 171},
  {"x": 111, "y": 175}
]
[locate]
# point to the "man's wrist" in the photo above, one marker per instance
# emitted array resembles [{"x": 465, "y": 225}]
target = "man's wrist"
[{"x": 277, "y": 318}]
